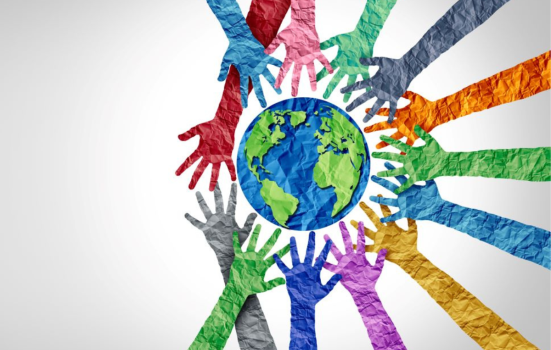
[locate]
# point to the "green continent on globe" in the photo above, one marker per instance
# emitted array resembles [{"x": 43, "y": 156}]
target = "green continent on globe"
[
  {"x": 283, "y": 204},
  {"x": 340, "y": 161},
  {"x": 266, "y": 134}
]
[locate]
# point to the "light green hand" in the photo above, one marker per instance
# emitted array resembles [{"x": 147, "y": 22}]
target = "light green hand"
[
  {"x": 431, "y": 161},
  {"x": 246, "y": 278},
  {"x": 355, "y": 45}
]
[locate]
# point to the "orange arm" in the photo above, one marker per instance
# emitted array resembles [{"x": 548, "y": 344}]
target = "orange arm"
[{"x": 519, "y": 82}]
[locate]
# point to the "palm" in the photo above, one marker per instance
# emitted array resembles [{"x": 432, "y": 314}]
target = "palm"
[{"x": 215, "y": 147}]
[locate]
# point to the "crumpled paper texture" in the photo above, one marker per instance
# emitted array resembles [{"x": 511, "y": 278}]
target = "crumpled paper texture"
[
  {"x": 424, "y": 203},
  {"x": 217, "y": 136},
  {"x": 305, "y": 291},
  {"x": 355, "y": 45},
  {"x": 478, "y": 321},
  {"x": 245, "y": 52},
  {"x": 246, "y": 278},
  {"x": 359, "y": 278},
  {"x": 431, "y": 161},
  {"x": 302, "y": 44},
  {"x": 395, "y": 75},
  {"x": 251, "y": 326},
  {"x": 519, "y": 82}
]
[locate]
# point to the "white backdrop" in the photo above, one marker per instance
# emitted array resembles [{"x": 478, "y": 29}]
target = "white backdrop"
[{"x": 95, "y": 252}]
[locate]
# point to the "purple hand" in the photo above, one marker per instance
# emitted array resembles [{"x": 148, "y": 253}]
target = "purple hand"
[{"x": 359, "y": 278}]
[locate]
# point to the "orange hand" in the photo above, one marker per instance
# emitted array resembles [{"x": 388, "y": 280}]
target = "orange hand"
[{"x": 516, "y": 83}]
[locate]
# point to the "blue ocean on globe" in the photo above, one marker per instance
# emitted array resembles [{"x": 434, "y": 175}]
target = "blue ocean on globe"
[{"x": 288, "y": 165}]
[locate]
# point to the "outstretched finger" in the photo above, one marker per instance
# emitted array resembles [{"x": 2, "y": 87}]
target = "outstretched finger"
[
  {"x": 334, "y": 249},
  {"x": 190, "y": 133},
  {"x": 422, "y": 134},
  {"x": 387, "y": 213},
  {"x": 251, "y": 247},
  {"x": 346, "y": 238},
  {"x": 232, "y": 200},
  {"x": 294, "y": 252},
  {"x": 322, "y": 74},
  {"x": 296, "y": 79},
  {"x": 271, "y": 80},
  {"x": 270, "y": 243},
  {"x": 351, "y": 80},
  {"x": 391, "y": 218},
  {"x": 276, "y": 282},
  {"x": 218, "y": 200},
  {"x": 249, "y": 222},
  {"x": 383, "y": 112},
  {"x": 393, "y": 172},
  {"x": 244, "y": 88},
  {"x": 325, "y": 62},
  {"x": 383, "y": 200},
  {"x": 280, "y": 264},
  {"x": 381, "y": 258},
  {"x": 258, "y": 91},
  {"x": 360, "y": 100},
  {"x": 397, "y": 135},
  {"x": 198, "y": 173},
  {"x": 200, "y": 225},
  {"x": 385, "y": 183},
  {"x": 405, "y": 186},
  {"x": 378, "y": 104},
  {"x": 188, "y": 162},
  {"x": 395, "y": 157},
  {"x": 231, "y": 168},
  {"x": 357, "y": 86},
  {"x": 281, "y": 253},
  {"x": 274, "y": 61},
  {"x": 331, "y": 283},
  {"x": 399, "y": 145},
  {"x": 371, "y": 61},
  {"x": 236, "y": 245},
  {"x": 203, "y": 205},
  {"x": 371, "y": 215},
  {"x": 283, "y": 72},
  {"x": 335, "y": 80},
  {"x": 328, "y": 43},
  {"x": 401, "y": 178},
  {"x": 378, "y": 127},
  {"x": 360, "y": 242},
  {"x": 224, "y": 68},
  {"x": 393, "y": 106},
  {"x": 310, "y": 248},
  {"x": 215, "y": 172},
  {"x": 312, "y": 75},
  {"x": 322, "y": 258},
  {"x": 330, "y": 267}
]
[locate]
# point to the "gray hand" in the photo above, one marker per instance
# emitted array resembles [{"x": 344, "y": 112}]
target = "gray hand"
[{"x": 251, "y": 326}]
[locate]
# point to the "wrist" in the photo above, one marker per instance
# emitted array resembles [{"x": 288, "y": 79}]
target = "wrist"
[{"x": 303, "y": 327}]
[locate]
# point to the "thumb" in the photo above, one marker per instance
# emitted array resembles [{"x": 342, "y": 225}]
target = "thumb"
[{"x": 372, "y": 61}]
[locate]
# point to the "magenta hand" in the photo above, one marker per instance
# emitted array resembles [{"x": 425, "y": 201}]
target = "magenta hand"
[
  {"x": 302, "y": 44},
  {"x": 359, "y": 278}
]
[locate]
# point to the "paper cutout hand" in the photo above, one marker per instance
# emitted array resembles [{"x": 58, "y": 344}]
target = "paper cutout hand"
[
  {"x": 424, "y": 203},
  {"x": 246, "y": 278},
  {"x": 388, "y": 84},
  {"x": 417, "y": 202},
  {"x": 302, "y": 44},
  {"x": 305, "y": 290},
  {"x": 245, "y": 52},
  {"x": 478, "y": 321},
  {"x": 431, "y": 161},
  {"x": 420, "y": 163},
  {"x": 359, "y": 278},
  {"x": 355, "y": 45},
  {"x": 219, "y": 227},
  {"x": 503, "y": 87},
  {"x": 251, "y": 326},
  {"x": 249, "y": 267},
  {"x": 215, "y": 147},
  {"x": 395, "y": 75}
]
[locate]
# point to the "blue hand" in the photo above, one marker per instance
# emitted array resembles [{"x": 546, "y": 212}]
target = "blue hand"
[
  {"x": 245, "y": 52},
  {"x": 424, "y": 203},
  {"x": 305, "y": 290}
]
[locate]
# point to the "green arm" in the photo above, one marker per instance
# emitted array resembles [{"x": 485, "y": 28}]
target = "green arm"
[
  {"x": 528, "y": 164},
  {"x": 431, "y": 161},
  {"x": 355, "y": 45},
  {"x": 217, "y": 328}
]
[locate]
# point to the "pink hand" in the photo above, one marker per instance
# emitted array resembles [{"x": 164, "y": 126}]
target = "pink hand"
[{"x": 302, "y": 44}]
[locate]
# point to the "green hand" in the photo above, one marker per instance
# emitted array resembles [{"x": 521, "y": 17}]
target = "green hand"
[
  {"x": 355, "y": 45},
  {"x": 431, "y": 161},
  {"x": 246, "y": 278}
]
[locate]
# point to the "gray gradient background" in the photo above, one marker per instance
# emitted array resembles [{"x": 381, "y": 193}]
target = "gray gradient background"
[{"x": 95, "y": 252}]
